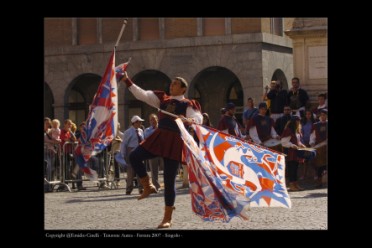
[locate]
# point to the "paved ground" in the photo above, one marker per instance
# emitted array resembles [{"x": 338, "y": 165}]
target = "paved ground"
[{"x": 95, "y": 209}]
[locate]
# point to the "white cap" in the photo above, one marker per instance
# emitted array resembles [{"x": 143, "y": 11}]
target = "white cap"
[{"x": 136, "y": 118}]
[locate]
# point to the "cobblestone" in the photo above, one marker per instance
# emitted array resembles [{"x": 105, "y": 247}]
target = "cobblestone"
[{"x": 95, "y": 209}]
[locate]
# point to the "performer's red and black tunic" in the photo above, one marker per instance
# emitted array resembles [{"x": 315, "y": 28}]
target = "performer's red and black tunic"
[
  {"x": 291, "y": 152},
  {"x": 321, "y": 133},
  {"x": 263, "y": 125},
  {"x": 166, "y": 140}
]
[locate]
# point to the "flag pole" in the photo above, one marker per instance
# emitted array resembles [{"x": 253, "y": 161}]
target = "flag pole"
[
  {"x": 235, "y": 137},
  {"x": 175, "y": 116},
  {"x": 121, "y": 32}
]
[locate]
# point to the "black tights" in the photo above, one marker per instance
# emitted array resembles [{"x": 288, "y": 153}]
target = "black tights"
[{"x": 136, "y": 158}]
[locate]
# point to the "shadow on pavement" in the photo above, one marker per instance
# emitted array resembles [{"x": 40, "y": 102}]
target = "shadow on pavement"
[
  {"x": 312, "y": 195},
  {"x": 116, "y": 197}
]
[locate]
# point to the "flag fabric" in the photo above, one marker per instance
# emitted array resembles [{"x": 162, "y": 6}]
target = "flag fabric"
[
  {"x": 101, "y": 124},
  {"x": 120, "y": 69},
  {"x": 228, "y": 176}
]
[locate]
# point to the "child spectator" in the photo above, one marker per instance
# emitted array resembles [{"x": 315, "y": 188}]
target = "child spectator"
[{"x": 55, "y": 132}]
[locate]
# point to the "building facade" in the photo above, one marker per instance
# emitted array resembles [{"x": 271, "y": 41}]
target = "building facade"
[
  {"x": 310, "y": 54},
  {"x": 223, "y": 59}
]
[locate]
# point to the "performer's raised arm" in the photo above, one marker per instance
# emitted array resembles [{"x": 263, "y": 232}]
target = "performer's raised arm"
[
  {"x": 147, "y": 96},
  {"x": 194, "y": 114}
]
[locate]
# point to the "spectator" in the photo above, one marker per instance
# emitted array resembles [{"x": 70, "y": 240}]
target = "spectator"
[
  {"x": 282, "y": 121},
  {"x": 306, "y": 127},
  {"x": 55, "y": 132},
  {"x": 250, "y": 112},
  {"x": 50, "y": 153},
  {"x": 115, "y": 148},
  {"x": 157, "y": 162},
  {"x": 133, "y": 136},
  {"x": 228, "y": 123},
  {"x": 78, "y": 132},
  {"x": 319, "y": 136},
  {"x": 297, "y": 98},
  {"x": 261, "y": 127},
  {"x": 69, "y": 162},
  {"x": 321, "y": 105},
  {"x": 291, "y": 141},
  {"x": 222, "y": 111},
  {"x": 278, "y": 99},
  {"x": 307, "y": 124}
]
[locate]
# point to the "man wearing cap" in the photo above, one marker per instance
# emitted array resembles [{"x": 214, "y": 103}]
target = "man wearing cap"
[
  {"x": 261, "y": 127},
  {"x": 165, "y": 141},
  {"x": 133, "y": 136},
  {"x": 228, "y": 123}
]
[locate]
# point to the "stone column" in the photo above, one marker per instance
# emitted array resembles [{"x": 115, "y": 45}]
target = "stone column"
[{"x": 310, "y": 55}]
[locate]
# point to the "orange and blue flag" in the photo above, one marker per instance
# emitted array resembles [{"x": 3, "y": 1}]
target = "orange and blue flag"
[{"x": 228, "y": 175}]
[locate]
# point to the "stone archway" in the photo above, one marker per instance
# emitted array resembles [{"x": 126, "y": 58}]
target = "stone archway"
[
  {"x": 48, "y": 102},
  {"x": 279, "y": 75},
  {"x": 213, "y": 87},
  {"x": 147, "y": 80},
  {"x": 79, "y": 95}
]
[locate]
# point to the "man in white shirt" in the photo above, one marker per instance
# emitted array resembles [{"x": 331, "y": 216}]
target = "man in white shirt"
[{"x": 133, "y": 136}]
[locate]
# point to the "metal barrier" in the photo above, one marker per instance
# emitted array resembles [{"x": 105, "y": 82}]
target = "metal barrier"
[
  {"x": 61, "y": 168},
  {"x": 53, "y": 170},
  {"x": 100, "y": 163}
]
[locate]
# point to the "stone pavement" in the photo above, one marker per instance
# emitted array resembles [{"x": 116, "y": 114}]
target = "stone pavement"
[{"x": 95, "y": 209}]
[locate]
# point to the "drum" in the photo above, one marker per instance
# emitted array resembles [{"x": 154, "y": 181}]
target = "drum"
[
  {"x": 320, "y": 144},
  {"x": 306, "y": 153},
  {"x": 274, "y": 144},
  {"x": 321, "y": 156}
]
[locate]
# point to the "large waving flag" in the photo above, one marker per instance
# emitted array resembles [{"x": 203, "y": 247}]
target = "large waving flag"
[
  {"x": 101, "y": 124},
  {"x": 228, "y": 175}
]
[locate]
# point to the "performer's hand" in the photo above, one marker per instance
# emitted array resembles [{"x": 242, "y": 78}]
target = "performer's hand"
[
  {"x": 188, "y": 121},
  {"x": 125, "y": 76},
  {"x": 125, "y": 79},
  {"x": 302, "y": 145},
  {"x": 294, "y": 146}
]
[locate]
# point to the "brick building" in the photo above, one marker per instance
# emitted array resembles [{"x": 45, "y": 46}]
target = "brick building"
[{"x": 223, "y": 59}]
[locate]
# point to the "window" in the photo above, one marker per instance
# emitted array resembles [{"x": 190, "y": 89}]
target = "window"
[
  {"x": 148, "y": 29},
  {"x": 77, "y": 107},
  {"x": 214, "y": 26},
  {"x": 87, "y": 31}
]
